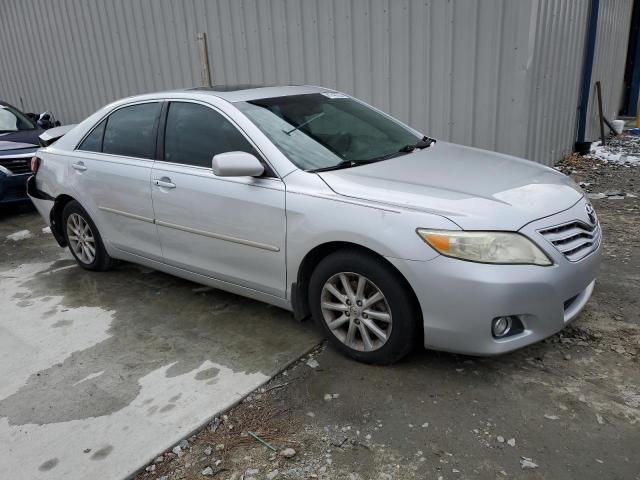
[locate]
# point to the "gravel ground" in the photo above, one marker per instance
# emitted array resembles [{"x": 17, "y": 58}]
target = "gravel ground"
[{"x": 568, "y": 407}]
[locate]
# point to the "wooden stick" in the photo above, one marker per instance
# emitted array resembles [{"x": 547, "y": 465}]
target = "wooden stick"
[{"x": 599, "y": 93}]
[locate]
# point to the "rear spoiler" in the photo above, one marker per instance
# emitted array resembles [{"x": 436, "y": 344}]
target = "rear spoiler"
[{"x": 53, "y": 134}]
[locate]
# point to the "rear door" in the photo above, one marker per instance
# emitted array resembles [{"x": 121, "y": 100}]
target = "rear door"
[
  {"x": 232, "y": 228},
  {"x": 111, "y": 170}
]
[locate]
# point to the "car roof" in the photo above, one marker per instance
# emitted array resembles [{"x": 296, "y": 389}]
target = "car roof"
[{"x": 243, "y": 93}]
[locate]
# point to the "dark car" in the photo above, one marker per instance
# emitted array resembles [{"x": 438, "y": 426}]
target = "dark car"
[{"x": 18, "y": 142}]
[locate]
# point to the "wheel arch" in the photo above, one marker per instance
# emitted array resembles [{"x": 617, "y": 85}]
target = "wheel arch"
[
  {"x": 57, "y": 227},
  {"x": 299, "y": 297}
]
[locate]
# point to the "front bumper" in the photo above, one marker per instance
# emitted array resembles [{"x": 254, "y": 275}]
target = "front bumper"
[{"x": 460, "y": 299}]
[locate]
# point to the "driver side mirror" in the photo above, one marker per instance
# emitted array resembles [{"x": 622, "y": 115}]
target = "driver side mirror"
[{"x": 237, "y": 164}]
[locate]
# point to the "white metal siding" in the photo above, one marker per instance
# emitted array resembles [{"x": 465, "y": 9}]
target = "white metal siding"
[
  {"x": 612, "y": 40},
  {"x": 556, "y": 72},
  {"x": 498, "y": 74}
]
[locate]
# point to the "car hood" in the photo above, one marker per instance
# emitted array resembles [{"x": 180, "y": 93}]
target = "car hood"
[
  {"x": 474, "y": 188},
  {"x": 19, "y": 142}
]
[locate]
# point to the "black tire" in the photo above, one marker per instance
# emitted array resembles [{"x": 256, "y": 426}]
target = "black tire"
[
  {"x": 399, "y": 300},
  {"x": 101, "y": 261}
]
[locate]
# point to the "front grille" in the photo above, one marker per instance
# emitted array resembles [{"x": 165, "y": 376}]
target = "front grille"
[
  {"x": 17, "y": 166},
  {"x": 575, "y": 240}
]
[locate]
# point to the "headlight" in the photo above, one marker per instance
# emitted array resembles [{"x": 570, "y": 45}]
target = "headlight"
[{"x": 485, "y": 247}]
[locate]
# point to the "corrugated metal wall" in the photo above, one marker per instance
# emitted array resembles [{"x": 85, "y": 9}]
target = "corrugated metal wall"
[
  {"x": 614, "y": 22},
  {"x": 558, "y": 55},
  {"x": 498, "y": 74}
]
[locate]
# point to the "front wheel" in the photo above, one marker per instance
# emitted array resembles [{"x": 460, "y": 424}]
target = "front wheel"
[
  {"x": 364, "y": 307},
  {"x": 84, "y": 239}
]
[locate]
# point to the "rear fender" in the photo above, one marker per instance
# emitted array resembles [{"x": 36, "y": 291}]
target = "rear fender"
[{"x": 49, "y": 207}]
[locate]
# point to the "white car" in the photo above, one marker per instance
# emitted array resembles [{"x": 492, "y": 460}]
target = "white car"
[{"x": 311, "y": 200}]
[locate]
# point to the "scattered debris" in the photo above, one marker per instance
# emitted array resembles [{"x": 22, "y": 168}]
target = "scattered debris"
[
  {"x": 500, "y": 438},
  {"x": 208, "y": 451},
  {"x": 596, "y": 196},
  {"x": 511, "y": 442},
  {"x": 288, "y": 453},
  {"x": 312, "y": 363},
  {"x": 213, "y": 426},
  {"x": 20, "y": 235},
  {"x": 263, "y": 442},
  {"x": 551, "y": 417},
  {"x": 618, "y": 349},
  {"x": 46, "y": 230},
  {"x": 207, "y": 472},
  {"x": 201, "y": 289},
  {"x": 527, "y": 463}
]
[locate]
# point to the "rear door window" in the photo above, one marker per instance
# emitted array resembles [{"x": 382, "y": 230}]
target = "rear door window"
[
  {"x": 93, "y": 141},
  {"x": 195, "y": 133},
  {"x": 131, "y": 131}
]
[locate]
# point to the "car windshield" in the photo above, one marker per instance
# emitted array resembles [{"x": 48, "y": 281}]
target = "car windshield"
[
  {"x": 12, "y": 120},
  {"x": 322, "y": 130}
]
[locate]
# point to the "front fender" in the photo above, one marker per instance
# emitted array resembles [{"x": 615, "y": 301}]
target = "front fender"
[{"x": 317, "y": 219}]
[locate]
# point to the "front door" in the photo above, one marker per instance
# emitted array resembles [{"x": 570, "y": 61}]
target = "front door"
[
  {"x": 111, "y": 173},
  {"x": 232, "y": 228}
]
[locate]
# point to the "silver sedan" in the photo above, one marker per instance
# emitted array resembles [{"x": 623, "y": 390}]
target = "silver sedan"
[{"x": 313, "y": 201}]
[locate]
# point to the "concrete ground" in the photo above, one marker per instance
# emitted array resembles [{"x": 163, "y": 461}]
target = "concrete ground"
[{"x": 100, "y": 371}]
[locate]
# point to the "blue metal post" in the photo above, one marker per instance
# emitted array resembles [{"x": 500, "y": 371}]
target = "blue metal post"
[
  {"x": 587, "y": 69},
  {"x": 635, "y": 81}
]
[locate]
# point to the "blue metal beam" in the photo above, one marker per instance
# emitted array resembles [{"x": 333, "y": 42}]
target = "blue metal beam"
[
  {"x": 587, "y": 69},
  {"x": 634, "y": 88}
]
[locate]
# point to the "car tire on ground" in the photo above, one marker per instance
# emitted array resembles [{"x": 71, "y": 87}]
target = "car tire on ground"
[
  {"x": 83, "y": 238},
  {"x": 376, "y": 320}
]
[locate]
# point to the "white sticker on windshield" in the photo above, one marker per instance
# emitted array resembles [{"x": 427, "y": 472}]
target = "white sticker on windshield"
[{"x": 334, "y": 95}]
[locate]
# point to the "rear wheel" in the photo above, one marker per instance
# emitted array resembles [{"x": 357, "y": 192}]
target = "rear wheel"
[
  {"x": 83, "y": 238},
  {"x": 364, "y": 307}
]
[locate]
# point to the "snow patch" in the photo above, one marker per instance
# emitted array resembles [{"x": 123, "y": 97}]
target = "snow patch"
[{"x": 19, "y": 235}]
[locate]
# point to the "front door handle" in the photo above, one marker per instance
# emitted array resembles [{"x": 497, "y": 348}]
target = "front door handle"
[
  {"x": 164, "y": 182},
  {"x": 80, "y": 166}
]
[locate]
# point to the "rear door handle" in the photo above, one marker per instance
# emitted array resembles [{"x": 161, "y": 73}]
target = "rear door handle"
[
  {"x": 164, "y": 182},
  {"x": 79, "y": 166}
]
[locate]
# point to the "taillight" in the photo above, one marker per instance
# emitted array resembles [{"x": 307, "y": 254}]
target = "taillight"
[{"x": 35, "y": 164}]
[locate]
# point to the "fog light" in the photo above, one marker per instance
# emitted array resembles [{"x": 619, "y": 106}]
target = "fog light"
[{"x": 501, "y": 326}]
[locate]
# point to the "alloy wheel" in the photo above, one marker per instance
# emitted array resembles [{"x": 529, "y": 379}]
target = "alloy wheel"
[
  {"x": 81, "y": 239},
  {"x": 356, "y": 311}
]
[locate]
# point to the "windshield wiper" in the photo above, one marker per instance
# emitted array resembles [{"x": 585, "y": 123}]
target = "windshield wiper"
[
  {"x": 343, "y": 164},
  {"x": 424, "y": 142}
]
